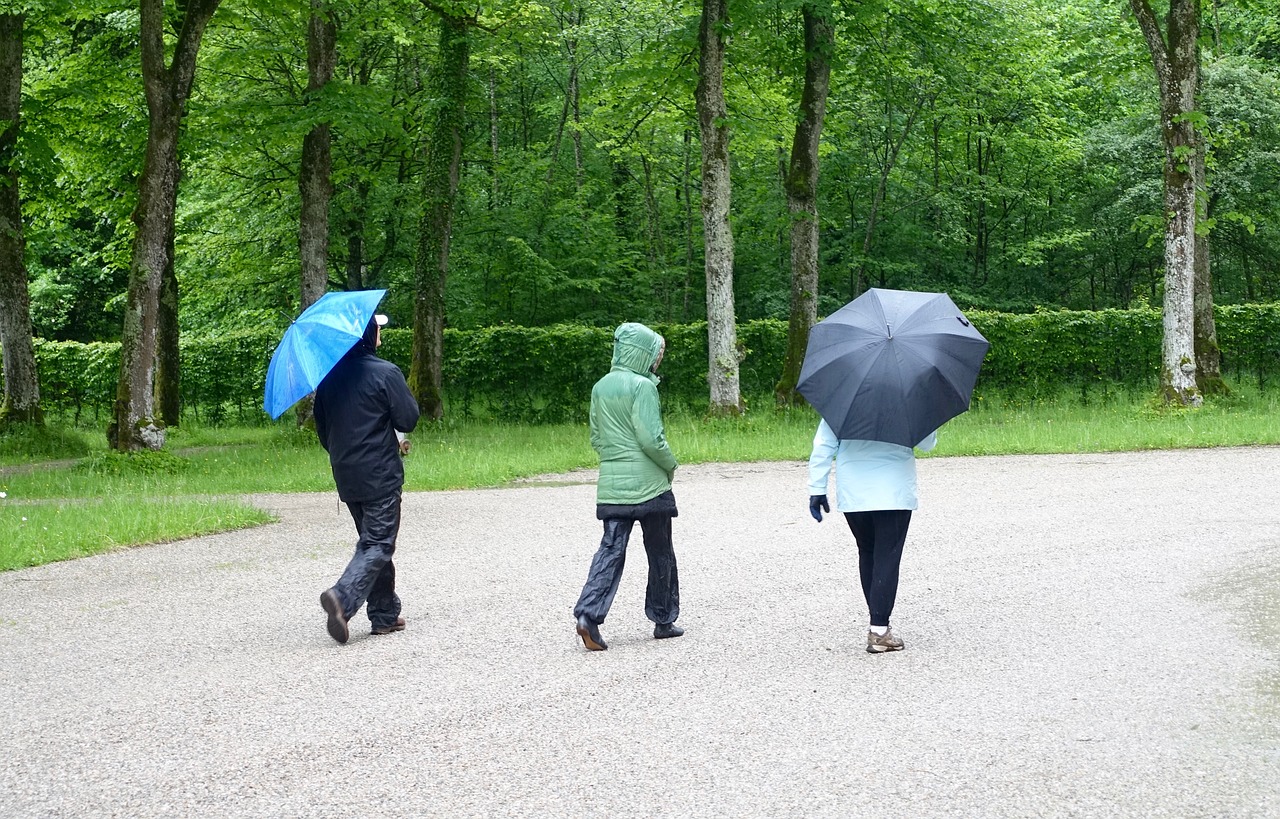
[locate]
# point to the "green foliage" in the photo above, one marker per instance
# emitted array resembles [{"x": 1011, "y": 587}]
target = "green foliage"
[
  {"x": 78, "y": 378},
  {"x": 544, "y": 375},
  {"x": 1003, "y": 151}
]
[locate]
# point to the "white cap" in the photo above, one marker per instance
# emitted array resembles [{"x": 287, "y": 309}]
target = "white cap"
[{"x": 381, "y": 319}]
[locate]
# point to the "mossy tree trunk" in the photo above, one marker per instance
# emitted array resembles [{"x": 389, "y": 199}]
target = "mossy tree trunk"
[
  {"x": 802, "y": 197},
  {"x": 21, "y": 378},
  {"x": 315, "y": 183},
  {"x": 1208, "y": 354},
  {"x": 166, "y": 87},
  {"x": 440, "y": 187},
  {"x": 1175, "y": 57},
  {"x": 168, "y": 358}
]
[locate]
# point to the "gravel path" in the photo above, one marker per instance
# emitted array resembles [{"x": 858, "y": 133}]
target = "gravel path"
[{"x": 1087, "y": 635}]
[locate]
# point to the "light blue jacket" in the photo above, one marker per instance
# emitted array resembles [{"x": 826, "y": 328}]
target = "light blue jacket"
[{"x": 870, "y": 475}]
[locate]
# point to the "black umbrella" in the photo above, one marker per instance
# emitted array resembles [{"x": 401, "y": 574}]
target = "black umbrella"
[{"x": 892, "y": 365}]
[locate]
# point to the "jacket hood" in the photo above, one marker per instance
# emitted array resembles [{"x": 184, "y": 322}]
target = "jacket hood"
[{"x": 635, "y": 347}]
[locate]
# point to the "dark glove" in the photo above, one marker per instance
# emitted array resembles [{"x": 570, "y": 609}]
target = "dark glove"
[{"x": 818, "y": 505}]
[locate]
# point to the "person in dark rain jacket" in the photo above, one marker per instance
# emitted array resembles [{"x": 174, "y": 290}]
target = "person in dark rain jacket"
[
  {"x": 360, "y": 407},
  {"x": 636, "y": 468}
]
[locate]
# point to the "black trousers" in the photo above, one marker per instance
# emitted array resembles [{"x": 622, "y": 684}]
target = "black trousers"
[
  {"x": 662, "y": 596},
  {"x": 371, "y": 575},
  {"x": 880, "y": 536}
]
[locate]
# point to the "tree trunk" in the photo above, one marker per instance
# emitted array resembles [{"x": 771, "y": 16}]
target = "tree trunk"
[
  {"x": 168, "y": 356},
  {"x": 1177, "y": 66},
  {"x": 315, "y": 185},
  {"x": 575, "y": 97},
  {"x": 1208, "y": 355},
  {"x": 686, "y": 189},
  {"x": 493, "y": 138},
  {"x": 356, "y": 266},
  {"x": 166, "y": 88},
  {"x": 723, "y": 356},
  {"x": 802, "y": 199},
  {"x": 315, "y": 182},
  {"x": 440, "y": 185},
  {"x": 21, "y": 377}
]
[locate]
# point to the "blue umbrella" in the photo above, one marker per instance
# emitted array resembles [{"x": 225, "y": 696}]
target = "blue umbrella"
[
  {"x": 892, "y": 365},
  {"x": 314, "y": 342}
]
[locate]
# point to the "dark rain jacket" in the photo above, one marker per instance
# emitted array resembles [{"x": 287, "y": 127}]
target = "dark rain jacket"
[
  {"x": 359, "y": 406},
  {"x": 636, "y": 465}
]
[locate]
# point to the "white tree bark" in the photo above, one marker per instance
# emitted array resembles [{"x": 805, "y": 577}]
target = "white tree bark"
[
  {"x": 1176, "y": 64},
  {"x": 723, "y": 356}
]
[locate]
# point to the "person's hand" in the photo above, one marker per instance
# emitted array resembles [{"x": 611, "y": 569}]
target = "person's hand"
[
  {"x": 404, "y": 447},
  {"x": 818, "y": 505}
]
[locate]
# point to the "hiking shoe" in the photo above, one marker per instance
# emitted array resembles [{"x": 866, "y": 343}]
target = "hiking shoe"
[
  {"x": 337, "y": 624},
  {"x": 664, "y": 630},
  {"x": 398, "y": 625},
  {"x": 880, "y": 643},
  {"x": 590, "y": 634}
]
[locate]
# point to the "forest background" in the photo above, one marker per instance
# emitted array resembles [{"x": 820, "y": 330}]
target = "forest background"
[{"x": 1007, "y": 152}]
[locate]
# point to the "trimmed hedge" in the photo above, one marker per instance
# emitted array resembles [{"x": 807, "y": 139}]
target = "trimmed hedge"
[{"x": 545, "y": 374}]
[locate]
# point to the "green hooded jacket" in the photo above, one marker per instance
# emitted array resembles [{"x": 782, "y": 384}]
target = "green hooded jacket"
[{"x": 636, "y": 464}]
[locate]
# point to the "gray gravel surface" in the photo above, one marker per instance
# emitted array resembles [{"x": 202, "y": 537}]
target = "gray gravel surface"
[{"x": 1087, "y": 635}]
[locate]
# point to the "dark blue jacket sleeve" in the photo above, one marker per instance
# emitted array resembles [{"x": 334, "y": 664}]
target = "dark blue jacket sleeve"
[{"x": 404, "y": 407}]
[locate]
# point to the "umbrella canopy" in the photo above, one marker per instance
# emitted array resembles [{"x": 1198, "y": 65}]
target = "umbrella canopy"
[
  {"x": 314, "y": 342},
  {"x": 892, "y": 365}
]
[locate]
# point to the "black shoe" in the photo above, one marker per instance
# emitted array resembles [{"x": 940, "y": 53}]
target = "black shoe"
[
  {"x": 664, "y": 630},
  {"x": 590, "y": 634},
  {"x": 337, "y": 621},
  {"x": 398, "y": 625}
]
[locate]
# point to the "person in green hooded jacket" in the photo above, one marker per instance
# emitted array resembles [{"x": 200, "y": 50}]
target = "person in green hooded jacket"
[{"x": 636, "y": 468}]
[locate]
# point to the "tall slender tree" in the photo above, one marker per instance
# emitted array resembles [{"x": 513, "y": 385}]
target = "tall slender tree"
[
  {"x": 1175, "y": 57},
  {"x": 723, "y": 355},
  {"x": 167, "y": 86},
  {"x": 801, "y": 185},
  {"x": 315, "y": 185},
  {"x": 315, "y": 181},
  {"x": 21, "y": 380},
  {"x": 440, "y": 187}
]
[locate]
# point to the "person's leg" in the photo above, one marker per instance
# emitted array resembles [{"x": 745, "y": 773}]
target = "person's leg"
[
  {"x": 384, "y": 604},
  {"x": 605, "y": 573},
  {"x": 862, "y": 524},
  {"x": 662, "y": 595},
  {"x": 379, "y": 523},
  {"x": 890, "y": 535}
]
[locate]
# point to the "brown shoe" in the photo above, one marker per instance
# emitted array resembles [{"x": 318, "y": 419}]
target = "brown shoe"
[
  {"x": 590, "y": 634},
  {"x": 398, "y": 625},
  {"x": 337, "y": 624},
  {"x": 880, "y": 643}
]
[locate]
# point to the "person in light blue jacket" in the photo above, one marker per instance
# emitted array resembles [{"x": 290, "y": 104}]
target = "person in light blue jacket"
[{"x": 876, "y": 491}]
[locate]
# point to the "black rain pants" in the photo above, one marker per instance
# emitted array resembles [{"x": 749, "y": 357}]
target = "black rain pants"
[
  {"x": 880, "y": 536},
  {"x": 662, "y": 596},
  {"x": 371, "y": 575}
]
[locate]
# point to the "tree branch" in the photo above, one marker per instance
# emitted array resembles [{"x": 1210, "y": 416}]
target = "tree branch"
[{"x": 1155, "y": 41}]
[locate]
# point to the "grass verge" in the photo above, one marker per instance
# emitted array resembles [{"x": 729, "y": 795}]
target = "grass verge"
[
  {"x": 32, "y": 534},
  {"x": 200, "y": 463}
]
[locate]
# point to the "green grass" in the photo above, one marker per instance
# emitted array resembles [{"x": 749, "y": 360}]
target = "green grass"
[
  {"x": 165, "y": 496},
  {"x": 32, "y": 534},
  {"x": 1120, "y": 425}
]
